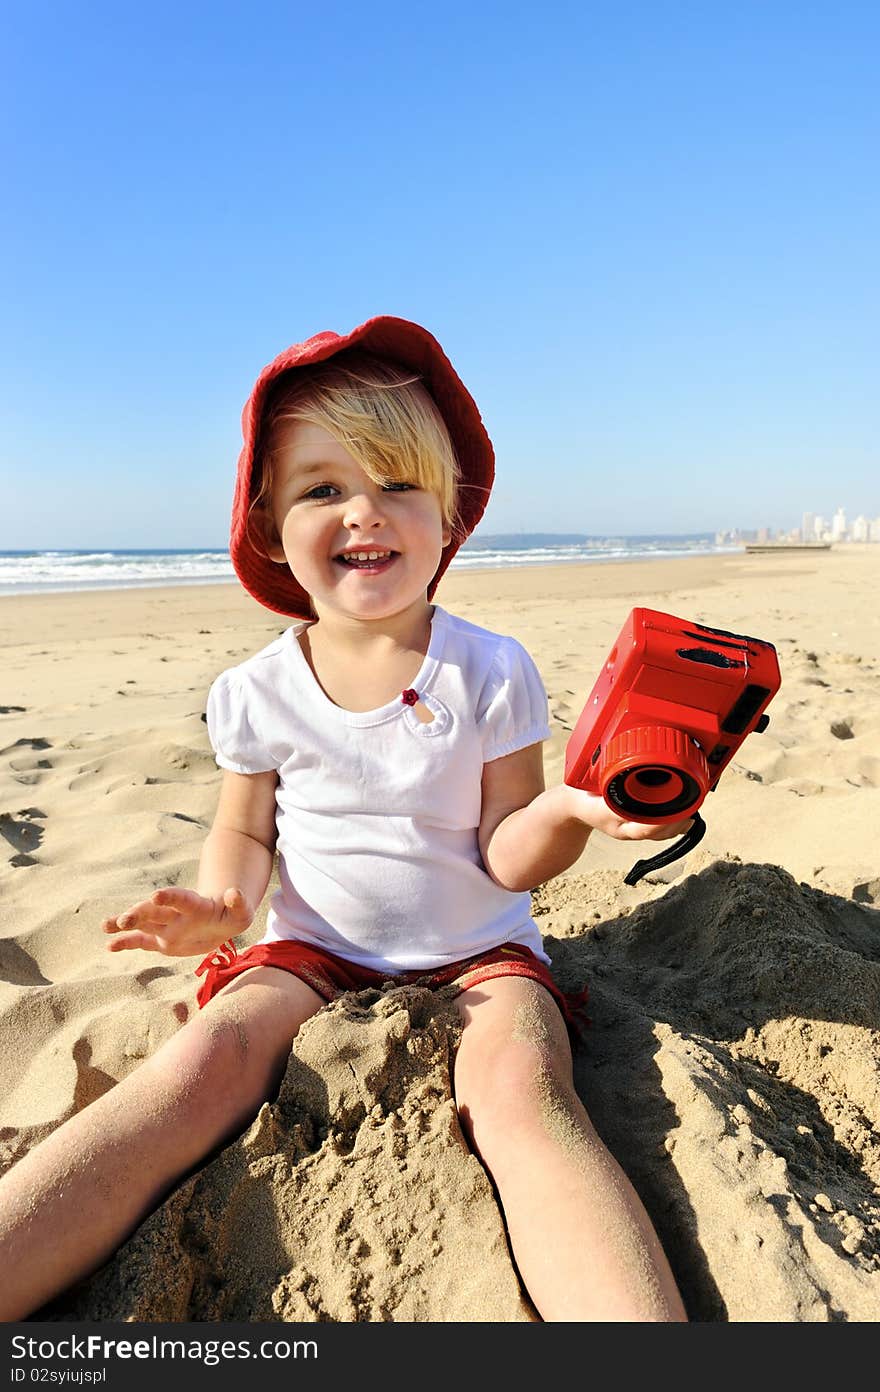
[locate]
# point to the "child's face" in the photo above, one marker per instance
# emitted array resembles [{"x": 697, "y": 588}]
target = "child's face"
[{"x": 324, "y": 504}]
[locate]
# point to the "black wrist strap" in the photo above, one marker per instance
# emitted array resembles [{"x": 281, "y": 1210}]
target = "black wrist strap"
[{"x": 678, "y": 848}]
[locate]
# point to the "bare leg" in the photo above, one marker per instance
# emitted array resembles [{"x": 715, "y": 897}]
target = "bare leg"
[
  {"x": 583, "y": 1243},
  {"x": 72, "y": 1200}
]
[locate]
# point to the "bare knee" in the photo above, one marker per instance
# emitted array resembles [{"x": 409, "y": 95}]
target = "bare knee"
[
  {"x": 228, "y": 1059},
  {"x": 512, "y": 1088},
  {"x": 213, "y": 1048}
]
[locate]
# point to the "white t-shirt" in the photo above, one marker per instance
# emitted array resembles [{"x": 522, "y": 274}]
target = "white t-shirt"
[{"x": 378, "y": 812}]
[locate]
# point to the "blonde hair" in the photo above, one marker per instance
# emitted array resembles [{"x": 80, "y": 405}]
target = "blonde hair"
[{"x": 381, "y": 414}]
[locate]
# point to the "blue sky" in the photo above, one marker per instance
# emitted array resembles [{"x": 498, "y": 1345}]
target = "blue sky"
[{"x": 645, "y": 233}]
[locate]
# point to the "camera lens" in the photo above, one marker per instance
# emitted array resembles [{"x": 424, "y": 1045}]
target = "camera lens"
[
  {"x": 653, "y": 792},
  {"x": 653, "y": 778},
  {"x": 653, "y": 773}
]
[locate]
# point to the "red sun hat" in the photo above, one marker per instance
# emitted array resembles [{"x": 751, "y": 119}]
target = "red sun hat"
[{"x": 413, "y": 348}]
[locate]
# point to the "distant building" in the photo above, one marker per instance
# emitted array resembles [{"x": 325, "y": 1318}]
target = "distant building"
[
  {"x": 733, "y": 536},
  {"x": 813, "y": 527}
]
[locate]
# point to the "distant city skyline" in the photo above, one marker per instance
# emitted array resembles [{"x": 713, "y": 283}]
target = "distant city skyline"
[{"x": 813, "y": 527}]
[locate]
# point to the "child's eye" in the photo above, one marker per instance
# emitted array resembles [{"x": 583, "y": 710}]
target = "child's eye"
[{"x": 325, "y": 490}]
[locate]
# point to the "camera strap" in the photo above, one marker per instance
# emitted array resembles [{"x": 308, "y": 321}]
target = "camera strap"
[{"x": 679, "y": 848}]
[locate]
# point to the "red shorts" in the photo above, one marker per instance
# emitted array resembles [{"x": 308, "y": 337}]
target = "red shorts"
[{"x": 330, "y": 975}]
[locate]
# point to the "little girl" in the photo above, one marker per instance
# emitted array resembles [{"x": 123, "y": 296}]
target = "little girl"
[{"x": 392, "y": 754}]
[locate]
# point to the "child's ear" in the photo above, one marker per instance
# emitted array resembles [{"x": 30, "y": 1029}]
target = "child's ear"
[
  {"x": 446, "y": 536},
  {"x": 269, "y": 534}
]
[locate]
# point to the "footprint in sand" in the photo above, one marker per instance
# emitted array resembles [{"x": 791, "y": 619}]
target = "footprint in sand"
[
  {"x": 28, "y": 770},
  {"x": 868, "y": 771},
  {"x": 150, "y": 974},
  {"x": 182, "y": 757},
  {"x": 91, "y": 1082},
  {"x": 166, "y": 823},
  {"x": 86, "y": 775},
  {"x": 18, "y": 967},
  {"x": 561, "y": 710},
  {"x": 868, "y": 892},
  {"x": 22, "y": 833}
]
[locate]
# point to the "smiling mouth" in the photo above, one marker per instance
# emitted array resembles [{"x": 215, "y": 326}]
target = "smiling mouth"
[{"x": 372, "y": 561}]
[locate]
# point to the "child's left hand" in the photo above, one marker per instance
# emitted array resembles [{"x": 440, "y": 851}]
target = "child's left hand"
[{"x": 595, "y": 813}]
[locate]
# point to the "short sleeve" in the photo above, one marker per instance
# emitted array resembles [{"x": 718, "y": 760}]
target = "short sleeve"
[
  {"x": 236, "y": 745},
  {"x": 512, "y": 712}
]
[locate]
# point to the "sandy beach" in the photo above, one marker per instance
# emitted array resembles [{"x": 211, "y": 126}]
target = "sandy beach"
[{"x": 732, "y": 1063}]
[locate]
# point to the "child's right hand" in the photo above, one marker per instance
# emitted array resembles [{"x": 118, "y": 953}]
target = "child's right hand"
[{"x": 179, "y": 922}]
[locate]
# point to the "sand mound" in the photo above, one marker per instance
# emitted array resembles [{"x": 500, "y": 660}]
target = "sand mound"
[
  {"x": 353, "y": 1197},
  {"x": 732, "y": 1065}
]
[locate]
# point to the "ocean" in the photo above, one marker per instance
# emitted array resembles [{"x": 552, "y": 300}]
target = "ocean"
[{"x": 39, "y": 572}]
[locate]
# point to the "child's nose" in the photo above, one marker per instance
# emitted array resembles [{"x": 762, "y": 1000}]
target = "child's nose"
[{"x": 363, "y": 510}]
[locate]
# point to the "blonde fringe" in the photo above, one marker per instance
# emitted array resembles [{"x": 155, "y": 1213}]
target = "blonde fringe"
[{"x": 385, "y": 418}]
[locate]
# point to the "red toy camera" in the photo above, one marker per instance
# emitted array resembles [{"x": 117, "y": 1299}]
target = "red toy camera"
[{"x": 672, "y": 704}]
